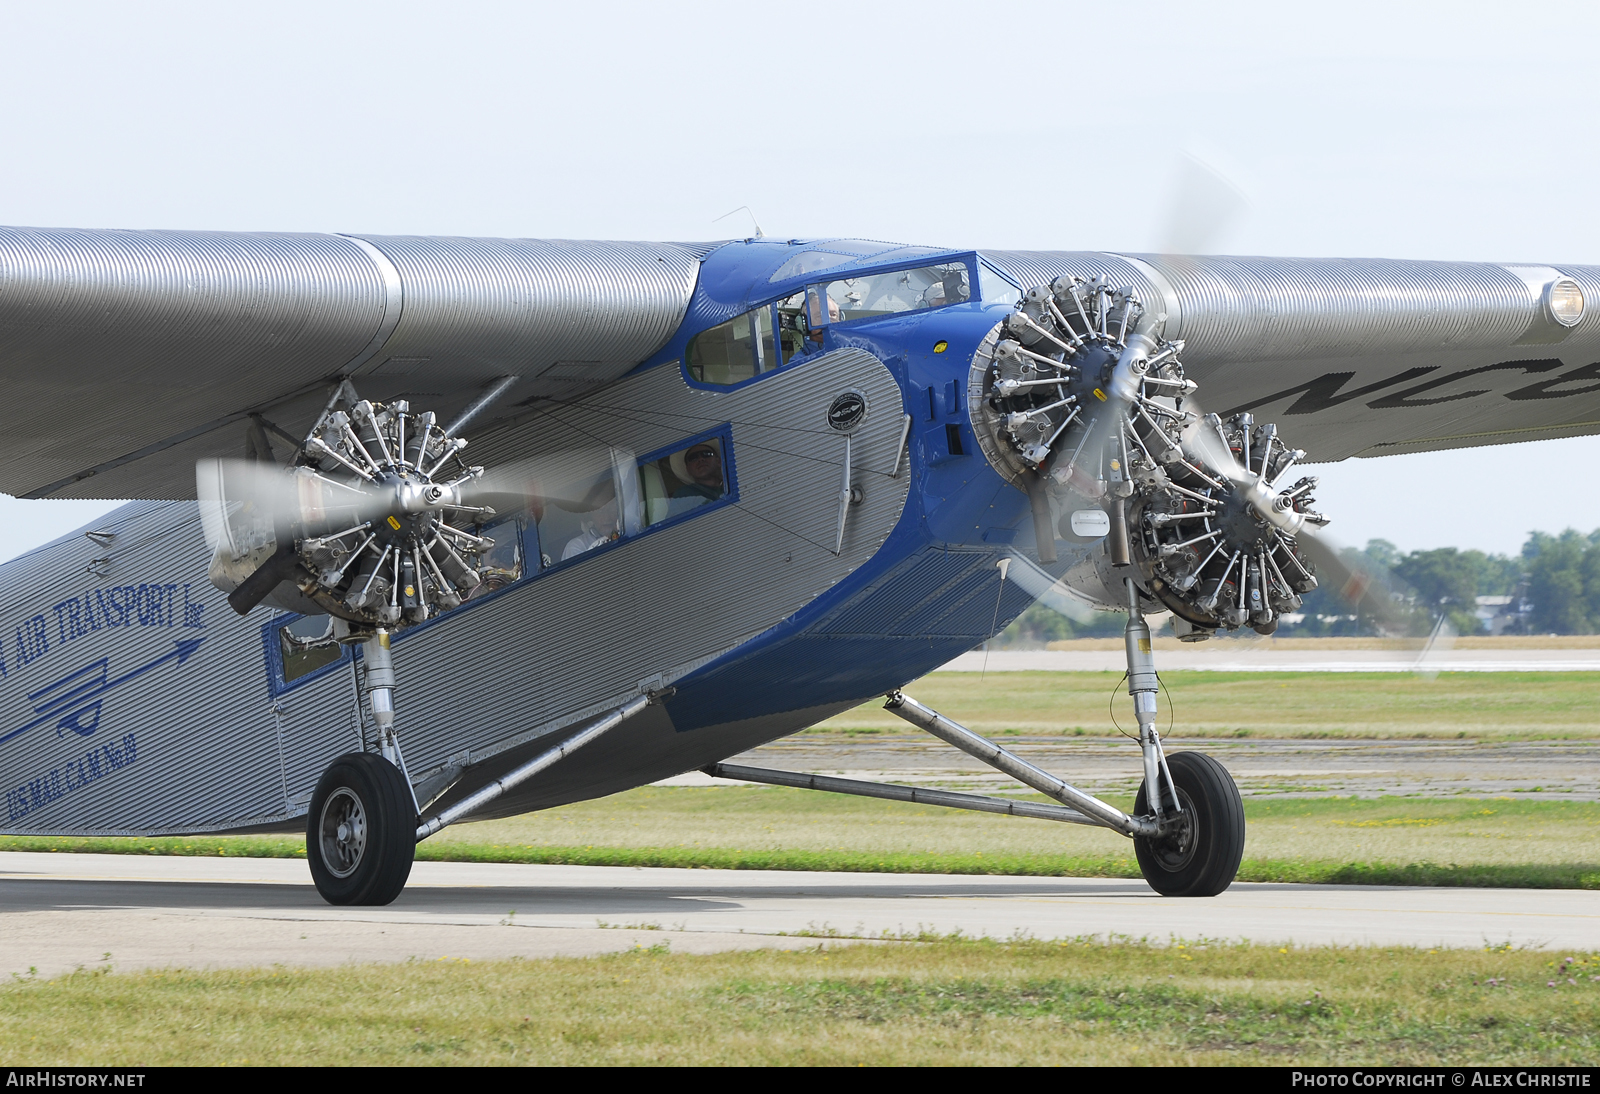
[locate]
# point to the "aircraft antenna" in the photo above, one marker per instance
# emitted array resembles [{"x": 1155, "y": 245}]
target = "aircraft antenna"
[{"x": 744, "y": 209}]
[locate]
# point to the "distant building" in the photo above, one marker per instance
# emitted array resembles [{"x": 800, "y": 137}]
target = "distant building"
[{"x": 1502, "y": 614}]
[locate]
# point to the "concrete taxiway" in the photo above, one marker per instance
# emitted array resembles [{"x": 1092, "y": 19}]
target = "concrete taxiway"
[{"x": 59, "y": 912}]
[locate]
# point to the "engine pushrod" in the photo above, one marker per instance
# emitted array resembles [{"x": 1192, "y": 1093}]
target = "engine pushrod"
[
  {"x": 519, "y": 775},
  {"x": 953, "y": 733},
  {"x": 950, "y": 799}
]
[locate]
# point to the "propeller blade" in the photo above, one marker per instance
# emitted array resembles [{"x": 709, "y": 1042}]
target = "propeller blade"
[
  {"x": 243, "y": 503},
  {"x": 1369, "y": 590},
  {"x": 260, "y": 517},
  {"x": 1203, "y": 440},
  {"x": 1202, "y": 206},
  {"x": 255, "y": 588},
  {"x": 577, "y": 480},
  {"x": 1440, "y": 643},
  {"x": 1053, "y": 594}
]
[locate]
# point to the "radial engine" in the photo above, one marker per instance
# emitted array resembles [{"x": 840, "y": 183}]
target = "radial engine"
[
  {"x": 368, "y": 525},
  {"x": 1077, "y": 401}
]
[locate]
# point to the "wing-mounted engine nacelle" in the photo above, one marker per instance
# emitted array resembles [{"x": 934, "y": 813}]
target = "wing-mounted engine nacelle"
[
  {"x": 369, "y": 523},
  {"x": 1077, "y": 400}
]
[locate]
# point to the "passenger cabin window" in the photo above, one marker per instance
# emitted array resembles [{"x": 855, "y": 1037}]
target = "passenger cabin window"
[
  {"x": 306, "y": 645},
  {"x": 502, "y": 564},
  {"x": 874, "y": 295},
  {"x": 682, "y": 481},
  {"x": 583, "y": 500}
]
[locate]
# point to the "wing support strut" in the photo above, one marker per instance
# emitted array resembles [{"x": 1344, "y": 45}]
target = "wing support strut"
[{"x": 520, "y": 775}]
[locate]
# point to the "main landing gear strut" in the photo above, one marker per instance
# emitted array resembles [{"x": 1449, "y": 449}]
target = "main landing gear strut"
[
  {"x": 1187, "y": 825},
  {"x": 365, "y": 821}
]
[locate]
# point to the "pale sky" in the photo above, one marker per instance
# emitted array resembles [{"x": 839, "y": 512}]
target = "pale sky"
[{"x": 1435, "y": 131}]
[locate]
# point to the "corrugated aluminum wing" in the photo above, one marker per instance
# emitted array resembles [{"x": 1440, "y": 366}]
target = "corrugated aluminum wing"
[{"x": 128, "y": 355}]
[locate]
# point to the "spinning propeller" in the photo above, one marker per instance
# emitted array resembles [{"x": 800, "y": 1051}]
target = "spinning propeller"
[
  {"x": 1283, "y": 509},
  {"x": 1084, "y": 402},
  {"x": 378, "y": 519}
]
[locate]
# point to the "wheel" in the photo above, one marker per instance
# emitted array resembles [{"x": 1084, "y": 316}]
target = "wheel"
[
  {"x": 361, "y": 831},
  {"x": 1200, "y": 853}
]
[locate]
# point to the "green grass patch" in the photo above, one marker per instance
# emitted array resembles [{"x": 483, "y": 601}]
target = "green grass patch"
[
  {"x": 1313, "y": 705},
  {"x": 936, "y": 1002},
  {"x": 1499, "y": 842},
  {"x": 184, "y": 846}
]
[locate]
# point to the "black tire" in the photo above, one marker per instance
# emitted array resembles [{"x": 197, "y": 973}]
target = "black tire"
[
  {"x": 1200, "y": 855},
  {"x": 361, "y": 831}
]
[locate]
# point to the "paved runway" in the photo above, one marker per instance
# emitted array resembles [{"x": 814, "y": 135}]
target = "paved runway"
[
  {"x": 62, "y": 911},
  {"x": 1244, "y": 656}
]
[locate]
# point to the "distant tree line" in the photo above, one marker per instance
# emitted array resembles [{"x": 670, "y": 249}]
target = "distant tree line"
[{"x": 1554, "y": 586}]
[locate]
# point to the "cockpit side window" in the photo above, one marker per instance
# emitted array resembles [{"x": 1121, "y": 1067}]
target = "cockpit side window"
[
  {"x": 996, "y": 287},
  {"x": 792, "y": 327},
  {"x": 680, "y": 480},
  {"x": 757, "y": 342},
  {"x": 735, "y": 351}
]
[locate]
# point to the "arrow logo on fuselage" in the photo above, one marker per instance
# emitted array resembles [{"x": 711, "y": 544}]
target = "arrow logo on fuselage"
[{"x": 73, "y": 701}]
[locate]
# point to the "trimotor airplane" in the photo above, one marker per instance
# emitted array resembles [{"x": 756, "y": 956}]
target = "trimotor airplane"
[{"x": 714, "y": 495}]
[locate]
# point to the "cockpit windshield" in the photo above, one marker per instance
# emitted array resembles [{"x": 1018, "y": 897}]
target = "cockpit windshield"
[
  {"x": 872, "y": 295},
  {"x": 782, "y": 332}
]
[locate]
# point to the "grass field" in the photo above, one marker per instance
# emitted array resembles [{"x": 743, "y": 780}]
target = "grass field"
[
  {"x": 1500, "y": 705},
  {"x": 1411, "y": 841},
  {"x": 939, "y": 1002},
  {"x": 1165, "y": 641}
]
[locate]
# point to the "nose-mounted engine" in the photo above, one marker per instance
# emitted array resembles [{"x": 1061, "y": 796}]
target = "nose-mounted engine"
[{"x": 1076, "y": 400}]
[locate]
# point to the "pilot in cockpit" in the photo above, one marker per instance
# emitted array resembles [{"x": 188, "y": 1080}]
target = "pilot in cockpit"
[
  {"x": 833, "y": 317},
  {"x": 951, "y": 289},
  {"x": 698, "y": 470}
]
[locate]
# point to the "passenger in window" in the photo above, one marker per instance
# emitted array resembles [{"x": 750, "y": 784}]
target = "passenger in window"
[
  {"x": 698, "y": 470},
  {"x": 588, "y": 538}
]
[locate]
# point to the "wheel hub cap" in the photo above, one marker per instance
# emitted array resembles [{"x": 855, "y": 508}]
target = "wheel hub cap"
[{"x": 343, "y": 832}]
